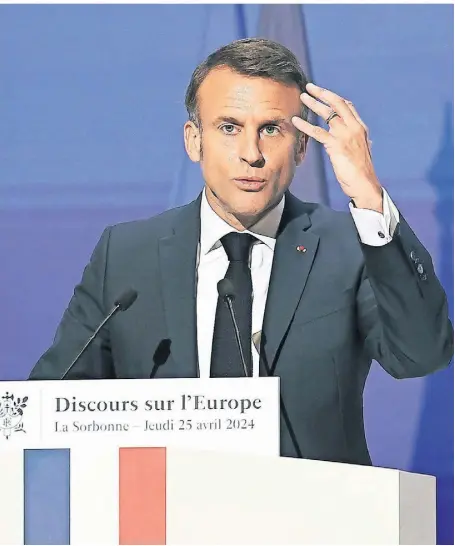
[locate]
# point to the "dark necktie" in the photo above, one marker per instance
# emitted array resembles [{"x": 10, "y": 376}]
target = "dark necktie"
[{"x": 226, "y": 360}]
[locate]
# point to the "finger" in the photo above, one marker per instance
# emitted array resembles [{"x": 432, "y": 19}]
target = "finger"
[
  {"x": 356, "y": 114},
  {"x": 321, "y": 109},
  {"x": 360, "y": 121},
  {"x": 313, "y": 131},
  {"x": 336, "y": 102}
]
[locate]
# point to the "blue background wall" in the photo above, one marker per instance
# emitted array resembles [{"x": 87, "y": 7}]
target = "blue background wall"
[{"x": 91, "y": 115}]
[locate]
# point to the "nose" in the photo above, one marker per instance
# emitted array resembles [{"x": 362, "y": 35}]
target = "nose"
[{"x": 249, "y": 150}]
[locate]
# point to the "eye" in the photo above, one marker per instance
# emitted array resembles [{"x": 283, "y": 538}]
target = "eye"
[
  {"x": 228, "y": 129},
  {"x": 271, "y": 130}
]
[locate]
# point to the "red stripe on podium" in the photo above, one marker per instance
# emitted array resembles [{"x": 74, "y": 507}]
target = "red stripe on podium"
[{"x": 142, "y": 498}]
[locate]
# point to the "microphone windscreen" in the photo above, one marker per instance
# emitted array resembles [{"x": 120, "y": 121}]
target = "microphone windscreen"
[
  {"x": 126, "y": 300},
  {"x": 226, "y": 289}
]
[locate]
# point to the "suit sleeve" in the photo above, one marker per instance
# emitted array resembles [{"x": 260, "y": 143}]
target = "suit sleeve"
[
  {"x": 402, "y": 307},
  {"x": 85, "y": 312}
]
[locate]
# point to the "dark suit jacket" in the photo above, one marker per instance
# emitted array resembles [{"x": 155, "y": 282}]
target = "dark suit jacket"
[{"x": 329, "y": 312}]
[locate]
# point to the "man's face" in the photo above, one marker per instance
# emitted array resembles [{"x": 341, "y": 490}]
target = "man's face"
[{"x": 245, "y": 131}]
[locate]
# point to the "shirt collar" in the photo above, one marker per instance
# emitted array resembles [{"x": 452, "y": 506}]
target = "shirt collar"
[{"x": 213, "y": 228}]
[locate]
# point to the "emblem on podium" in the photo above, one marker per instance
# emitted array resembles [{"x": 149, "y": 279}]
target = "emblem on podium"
[{"x": 11, "y": 414}]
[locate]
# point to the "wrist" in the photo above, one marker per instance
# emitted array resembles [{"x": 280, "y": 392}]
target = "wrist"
[{"x": 373, "y": 201}]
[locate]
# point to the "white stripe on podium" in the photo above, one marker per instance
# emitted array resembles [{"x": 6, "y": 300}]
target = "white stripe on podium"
[
  {"x": 12, "y": 497},
  {"x": 94, "y": 490}
]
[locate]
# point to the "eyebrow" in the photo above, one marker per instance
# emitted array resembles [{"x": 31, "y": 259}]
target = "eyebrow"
[{"x": 234, "y": 121}]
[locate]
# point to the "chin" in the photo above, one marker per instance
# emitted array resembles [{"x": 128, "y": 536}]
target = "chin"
[{"x": 250, "y": 204}]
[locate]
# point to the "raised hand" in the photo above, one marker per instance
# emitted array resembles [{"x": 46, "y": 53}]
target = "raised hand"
[{"x": 347, "y": 145}]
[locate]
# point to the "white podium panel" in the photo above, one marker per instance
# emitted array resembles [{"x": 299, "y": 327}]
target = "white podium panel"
[
  {"x": 185, "y": 461},
  {"x": 238, "y": 499}
]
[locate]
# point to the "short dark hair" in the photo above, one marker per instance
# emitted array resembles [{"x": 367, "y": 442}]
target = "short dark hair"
[{"x": 255, "y": 57}]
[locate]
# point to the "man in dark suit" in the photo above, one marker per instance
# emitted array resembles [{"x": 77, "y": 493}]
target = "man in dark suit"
[{"x": 320, "y": 293}]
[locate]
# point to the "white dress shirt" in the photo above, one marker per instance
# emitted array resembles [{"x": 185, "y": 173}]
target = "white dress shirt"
[{"x": 374, "y": 229}]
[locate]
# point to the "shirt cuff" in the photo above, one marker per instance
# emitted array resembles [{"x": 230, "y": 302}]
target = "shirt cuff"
[{"x": 374, "y": 228}]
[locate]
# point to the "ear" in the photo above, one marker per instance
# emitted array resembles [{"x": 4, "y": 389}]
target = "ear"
[
  {"x": 301, "y": 148},
  {"x": 192, "y": 138}
]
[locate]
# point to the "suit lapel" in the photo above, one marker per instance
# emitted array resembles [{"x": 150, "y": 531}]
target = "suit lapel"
[
  {"x": 178, "y": 261},
  {"x": 290, "y": 270},
  {"x": 178, "y": 256}
]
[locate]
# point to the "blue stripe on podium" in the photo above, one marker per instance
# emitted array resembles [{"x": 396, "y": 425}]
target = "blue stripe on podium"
[{"x": 46, "y": 496}]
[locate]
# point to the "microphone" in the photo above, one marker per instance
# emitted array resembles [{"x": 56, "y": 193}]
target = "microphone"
[
  {"x": 257, "y": 344},
  {"x": 226, "y": 291},
  {"x": 160, "y": 356},
  {"x": 124, "y": 302}
]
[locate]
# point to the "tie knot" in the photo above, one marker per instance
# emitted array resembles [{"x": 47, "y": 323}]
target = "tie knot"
[{"x": 237, "y": 246}]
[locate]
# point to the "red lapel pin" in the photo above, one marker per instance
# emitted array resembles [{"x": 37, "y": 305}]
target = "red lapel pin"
[{"x": 301, "y": 248}]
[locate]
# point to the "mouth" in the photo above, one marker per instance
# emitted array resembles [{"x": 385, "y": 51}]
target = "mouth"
[{"x": 250, "y": 183}]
